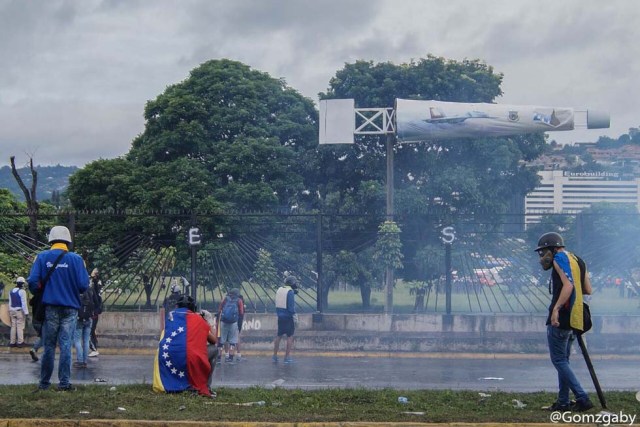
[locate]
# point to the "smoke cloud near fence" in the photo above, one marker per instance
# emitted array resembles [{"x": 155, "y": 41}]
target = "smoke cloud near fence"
[{"x": 493, "y": 266}]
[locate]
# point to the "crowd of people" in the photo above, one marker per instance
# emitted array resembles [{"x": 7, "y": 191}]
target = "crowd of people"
[
  {"x": 67, "y": 303},
  {"x": 193, "y": 341}
]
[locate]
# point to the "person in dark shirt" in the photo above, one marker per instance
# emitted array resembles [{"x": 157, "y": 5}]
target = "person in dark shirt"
[{"x": 569, "y": 282}]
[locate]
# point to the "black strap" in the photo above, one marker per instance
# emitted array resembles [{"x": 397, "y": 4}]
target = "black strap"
[{"x": 51, "y": 270}]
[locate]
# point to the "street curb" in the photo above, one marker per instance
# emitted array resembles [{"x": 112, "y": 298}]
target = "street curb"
[
  {"x": 26, "y": 422},
  {"x": 356, "y": 354}
]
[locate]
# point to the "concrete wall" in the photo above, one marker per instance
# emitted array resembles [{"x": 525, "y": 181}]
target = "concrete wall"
[{"x": 379, "y": 332}]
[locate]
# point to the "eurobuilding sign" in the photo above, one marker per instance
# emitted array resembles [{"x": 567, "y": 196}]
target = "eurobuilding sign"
[{"x": 425, "y": 120}]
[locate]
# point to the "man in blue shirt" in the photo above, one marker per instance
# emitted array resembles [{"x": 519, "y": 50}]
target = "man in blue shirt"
[
  {"x": 61, "y": 298},
  {"x": 287, "y": 317}
]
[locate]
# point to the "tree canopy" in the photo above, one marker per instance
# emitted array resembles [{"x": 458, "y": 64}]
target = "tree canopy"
[
  {"x": 232, "y": 138},
  {"x": 461, "y": 176},
  {"x": 226, "y": 138},
  {"x": 465, "y": 174}
]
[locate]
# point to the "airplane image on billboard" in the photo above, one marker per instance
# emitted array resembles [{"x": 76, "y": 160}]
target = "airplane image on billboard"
[
  {"x": 416, "y": 121},
  {"x": 424, "y": 120}
]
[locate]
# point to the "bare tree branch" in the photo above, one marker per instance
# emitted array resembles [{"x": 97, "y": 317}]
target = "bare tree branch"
[
  {"x": 34, "y": 181},
  {"x": 29, "y": 196},
  {"x": 16, "y": 175}
]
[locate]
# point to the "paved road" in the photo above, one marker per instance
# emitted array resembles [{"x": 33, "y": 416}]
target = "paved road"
[{"x": 458, "y": 372}]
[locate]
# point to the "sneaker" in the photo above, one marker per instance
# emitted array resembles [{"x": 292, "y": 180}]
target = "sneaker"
[
  {"x": 77, "y": 364},
  {"x": 69, "y": 387},
  {"x": 213, "y": 393},
  {"x": 13, "y": 345},
  {"x": 582, "y": 405},
  {"x": 23, "y": 344},
  {"x": 94, "y": 353},
  {"x": 227, "y": 359},
  {"x": 275, "y": 359},
  {"x": 288, "y": 360},
  {"x": 556, "y": 407},
  {"x": 34, "y": 356}
]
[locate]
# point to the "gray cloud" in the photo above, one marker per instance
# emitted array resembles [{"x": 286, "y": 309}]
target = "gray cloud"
[{"x": 77, "y": 73}]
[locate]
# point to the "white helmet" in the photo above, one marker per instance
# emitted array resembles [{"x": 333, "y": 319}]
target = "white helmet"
[
  {"x": 20, "y": 280},
  {"x": 60, "y": 233}
]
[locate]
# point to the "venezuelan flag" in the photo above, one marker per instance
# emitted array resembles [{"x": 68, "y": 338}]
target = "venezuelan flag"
[
  {"x": 569, "y": 264},
  {"x": 181, "y": 361}
]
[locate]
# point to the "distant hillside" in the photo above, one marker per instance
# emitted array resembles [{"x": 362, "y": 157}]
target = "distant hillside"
[{"x": 50, "y": 178}]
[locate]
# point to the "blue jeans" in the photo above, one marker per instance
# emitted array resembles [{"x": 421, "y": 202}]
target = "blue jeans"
[
  {"x": 58, "y": 329},
  {"x": 560, "y": 341},
  {"x": 82, "y": 337}
]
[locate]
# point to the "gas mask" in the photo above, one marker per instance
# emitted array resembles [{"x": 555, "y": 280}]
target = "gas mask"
[{"x": 546, "y": 258}]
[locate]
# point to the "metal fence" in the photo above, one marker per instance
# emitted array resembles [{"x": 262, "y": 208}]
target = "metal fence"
[{"x": 491, "y": 267}]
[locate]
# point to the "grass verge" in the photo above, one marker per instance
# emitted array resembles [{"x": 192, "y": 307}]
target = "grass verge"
[{"x": 287, "y": 405}]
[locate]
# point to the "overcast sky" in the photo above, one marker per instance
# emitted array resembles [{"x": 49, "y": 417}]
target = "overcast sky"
[{"x": 75, "y": 74}]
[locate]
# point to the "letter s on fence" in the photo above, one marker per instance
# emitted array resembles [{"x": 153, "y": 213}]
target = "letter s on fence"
[{"x": 448, "y": 235}]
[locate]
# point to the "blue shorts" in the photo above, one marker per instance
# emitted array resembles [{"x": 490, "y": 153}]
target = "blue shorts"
[
  {"x": 286, "y": 326},
  {"x": 229, "y": 333}
]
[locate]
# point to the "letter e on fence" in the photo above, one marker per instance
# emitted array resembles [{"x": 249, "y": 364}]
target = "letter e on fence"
[{"x": 195, "y": 238}]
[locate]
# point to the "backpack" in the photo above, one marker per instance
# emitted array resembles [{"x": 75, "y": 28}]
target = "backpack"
[
  {"x": 230, "y": 311},
  {"x": 86, "y": 306}
]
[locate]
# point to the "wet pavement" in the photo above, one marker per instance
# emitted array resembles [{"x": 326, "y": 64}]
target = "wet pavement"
[{"x": 463, "y": 372}]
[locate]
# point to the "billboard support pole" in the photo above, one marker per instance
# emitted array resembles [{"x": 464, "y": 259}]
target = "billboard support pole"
[{"x": 390, "y": 212}]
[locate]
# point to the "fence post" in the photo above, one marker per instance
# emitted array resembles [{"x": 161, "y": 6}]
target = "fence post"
[
  {"x": 193, "y": 262},
  {"x": 319, "y": 302},
  {"x": 448, "y": 237},
  {"x": 72, "y": 229},
  {"x": 447, "y": 264},
  {"x": 579, "y": 232}
]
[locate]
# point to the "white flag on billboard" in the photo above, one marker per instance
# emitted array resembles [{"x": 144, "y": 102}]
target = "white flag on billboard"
[{"x": 426, "y": 120}]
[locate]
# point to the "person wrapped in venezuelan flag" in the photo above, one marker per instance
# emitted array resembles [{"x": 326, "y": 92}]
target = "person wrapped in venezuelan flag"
[{"x": 184, "y": 360}]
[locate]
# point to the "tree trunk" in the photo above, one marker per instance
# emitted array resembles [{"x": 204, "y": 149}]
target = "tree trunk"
[
  {"x": 419, "y": 305},
  {"x": 365, "y": 293},
  {"x": 148, "y": 287},
  {"x": 325, "y": 295},
  {"x": 29, "y": 196}
]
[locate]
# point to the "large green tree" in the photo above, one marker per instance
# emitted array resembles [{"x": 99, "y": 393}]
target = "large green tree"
[
  {"x": 465, "y": 174},
  {"x": 248, "y": 132},
  {"x": 461, "y": 175},
  {"x": 226, "y": 138}
]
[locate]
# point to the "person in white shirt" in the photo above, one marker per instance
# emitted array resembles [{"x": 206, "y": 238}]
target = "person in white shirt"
[{"x": 18, "y": 312}]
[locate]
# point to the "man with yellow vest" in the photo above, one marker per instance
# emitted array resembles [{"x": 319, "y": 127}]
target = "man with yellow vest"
[{"x": 568, "y": 283}]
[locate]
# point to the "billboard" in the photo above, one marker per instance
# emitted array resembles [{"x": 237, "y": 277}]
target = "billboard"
[{"x": 426, "y": 120}]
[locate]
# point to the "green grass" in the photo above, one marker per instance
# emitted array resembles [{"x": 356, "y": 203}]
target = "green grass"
[
  {"x": 479, "y": 300},
  {"x": 296, "y": 405},
  {"x": 605, "y": 301}
]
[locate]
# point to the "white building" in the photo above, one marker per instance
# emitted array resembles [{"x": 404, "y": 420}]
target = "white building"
[{"x": 570, "y": 192}]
